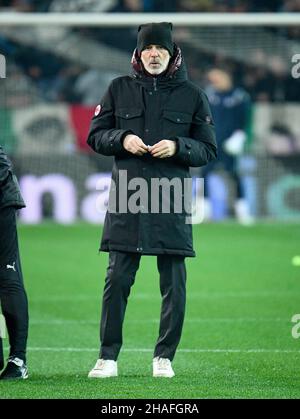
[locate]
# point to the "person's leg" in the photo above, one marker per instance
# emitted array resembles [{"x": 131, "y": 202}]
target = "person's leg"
[
  {"x": 238, "y": 185},
  {"x": 241, "y": 206},
  {"x": 173, "y": 291},
  {"x": 12, "y": 293},
  {"x": 120, "y": 277},
  {"x": 231, "y": 167}
]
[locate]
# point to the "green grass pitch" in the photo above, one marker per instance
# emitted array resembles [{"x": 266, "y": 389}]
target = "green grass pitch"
[{"x": 242, "y": 293}]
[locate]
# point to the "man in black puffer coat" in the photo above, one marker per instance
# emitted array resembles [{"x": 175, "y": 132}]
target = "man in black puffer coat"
[
  {"x": 12, "y": 293},
  {"x": 157, "y": 124}
]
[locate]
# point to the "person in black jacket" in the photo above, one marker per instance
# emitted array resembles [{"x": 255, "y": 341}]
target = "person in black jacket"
[
  {"x": 13, "y": 297},
  {"x": 156, "y": 124}
]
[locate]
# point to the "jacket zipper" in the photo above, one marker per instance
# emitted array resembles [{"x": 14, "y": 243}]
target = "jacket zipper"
[{"x": 155, "y": 83}]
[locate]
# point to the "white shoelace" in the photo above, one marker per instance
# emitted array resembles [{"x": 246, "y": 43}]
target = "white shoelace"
[
  {"x": 100, "y": 364},
  {"x": 164, "y": 363}
]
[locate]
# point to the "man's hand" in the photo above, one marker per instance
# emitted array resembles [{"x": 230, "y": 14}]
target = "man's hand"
[
  {"x": 163, "y": 149},
  {"x": 135, "y": 145}
]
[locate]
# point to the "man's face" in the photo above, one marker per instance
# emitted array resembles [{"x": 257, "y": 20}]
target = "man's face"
[
  {"x": 155, "y": 59},
  {"x": 220, "y": 80}
]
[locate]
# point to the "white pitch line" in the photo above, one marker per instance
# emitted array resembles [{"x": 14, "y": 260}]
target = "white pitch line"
[
  {"x": 191, "y": 296},
  {"x": 61, "y": 322},
  {"x": 246, "y": 351}
]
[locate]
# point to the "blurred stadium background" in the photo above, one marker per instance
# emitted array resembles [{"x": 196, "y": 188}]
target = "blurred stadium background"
[{"x": 243, "y": 289}]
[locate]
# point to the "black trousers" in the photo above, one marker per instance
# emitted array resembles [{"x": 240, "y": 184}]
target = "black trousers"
[
  {"x": 119, "y": 280},
  {"x": 13, "y": 297}
]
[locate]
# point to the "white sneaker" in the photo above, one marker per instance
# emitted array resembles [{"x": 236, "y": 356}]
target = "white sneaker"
[
  {"x": 162, "y": 367},
  {"x": 242, "y": 212},
  {"x": 104, "y": 368}
]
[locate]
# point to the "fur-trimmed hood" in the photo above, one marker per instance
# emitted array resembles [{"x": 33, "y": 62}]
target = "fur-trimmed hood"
[{"x": 175, "y": 73}]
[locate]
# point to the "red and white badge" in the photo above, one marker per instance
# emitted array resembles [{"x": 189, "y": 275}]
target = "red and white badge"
[{"x": 98, "y": 110}]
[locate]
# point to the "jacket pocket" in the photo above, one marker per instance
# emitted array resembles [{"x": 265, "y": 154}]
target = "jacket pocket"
[
  {"x": 176, "y": 123},
  {"x": 129, "y": 118}
]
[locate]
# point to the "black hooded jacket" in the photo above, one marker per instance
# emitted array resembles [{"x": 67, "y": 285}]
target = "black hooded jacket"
[
  {"x": 10, "y": 195},
  {"x": 170, "y": 107}
]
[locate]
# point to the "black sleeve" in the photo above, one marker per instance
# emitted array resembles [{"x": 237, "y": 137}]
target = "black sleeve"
[
  {"x": 103, "y": 137},
  {"x": 5, "y": 167},
  {"x": 201, "y": 147}
]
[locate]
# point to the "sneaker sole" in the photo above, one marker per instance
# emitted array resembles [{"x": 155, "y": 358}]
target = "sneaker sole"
[{"x": 101, "y": 375}]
